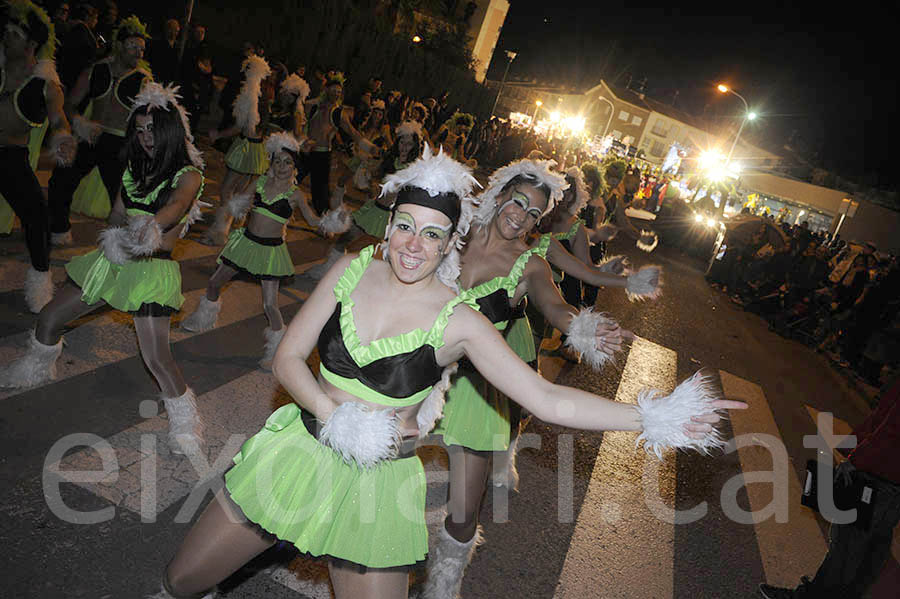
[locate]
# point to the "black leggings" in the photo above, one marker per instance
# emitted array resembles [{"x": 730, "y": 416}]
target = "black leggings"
[
  {"x": 104, "y": 154},
  {"x": 23, "y": 192},
  {"x": 318, "y": 166}
]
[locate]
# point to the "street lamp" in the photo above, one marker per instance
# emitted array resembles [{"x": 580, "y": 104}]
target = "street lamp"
[
  {"x": 510, "y": 56},
  {"x": 537, "y": 106},
  {"x": 416, "y": 39},
  {"x": 748, "y": 115},
  {"x": 612, "y": 109}
]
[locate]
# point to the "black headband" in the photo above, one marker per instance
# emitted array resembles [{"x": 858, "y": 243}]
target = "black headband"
[{"x": 447, "y": 203}]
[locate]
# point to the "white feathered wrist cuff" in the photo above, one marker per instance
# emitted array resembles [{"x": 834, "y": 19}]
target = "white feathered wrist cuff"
[
  {"x": 664, "y": 417},
  {"x": 140, "y": 237},
  {"x": 614, "y": 264},
  {"x": 645, "y": 283},
  {"x": 335, "y": 221},
  {"x": 361, "y": 435},
  {"x": 56, "y": 143},
  {"x": 582, "y": 337},
  {"x": 239, "y": 205},
  {"x": 84, "y": 129},
  {"x": 432, "y": 408},
  {"x": 647, "y": 241}
]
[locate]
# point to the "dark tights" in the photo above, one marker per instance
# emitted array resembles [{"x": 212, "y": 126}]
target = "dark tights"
[
  {"x": 270, "y": 287},
  {"x": 152, "y": 333}
]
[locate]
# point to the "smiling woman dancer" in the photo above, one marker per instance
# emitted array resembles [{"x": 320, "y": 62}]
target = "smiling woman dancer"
[
  {"x": 259, "y": 249},
  {"x": 386, "y": 331},
  {"x": 498, "y": 271},
  {"x": 133, "y": 270}
]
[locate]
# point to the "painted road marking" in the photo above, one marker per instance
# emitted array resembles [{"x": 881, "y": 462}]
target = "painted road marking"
[{"x": 615, "y": 530}]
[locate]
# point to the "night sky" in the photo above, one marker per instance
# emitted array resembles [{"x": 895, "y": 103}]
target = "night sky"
[{"x": 830, "y": 80}]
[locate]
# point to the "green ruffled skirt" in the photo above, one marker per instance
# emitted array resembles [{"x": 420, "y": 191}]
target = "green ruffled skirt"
[
  {"x": 128, "y": 286},
  {"x": 301, "y": 491},
  {"x": 90, "y": 197},
  {"x": 256, "y": 259},
  {"x": 372, "y": 218},
  {"x": 476, "y": 415},
  {"x": 247, "y": 157}
]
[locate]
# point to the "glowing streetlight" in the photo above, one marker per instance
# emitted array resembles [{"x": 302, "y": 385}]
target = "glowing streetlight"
[
  {"x": 554, "y": 117},
  {"x": 748, "y": 115},
  {"x": 416, "y": 39},
  {"x": 537, "y": 106}
]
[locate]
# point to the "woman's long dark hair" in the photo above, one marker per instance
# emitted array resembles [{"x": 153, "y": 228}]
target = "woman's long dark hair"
[{"x": 170, "y": 151}]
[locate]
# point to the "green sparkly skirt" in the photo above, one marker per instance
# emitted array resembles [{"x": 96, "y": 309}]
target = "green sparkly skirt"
[
  {"x": 247, "y": 156},
  {"x": 245, "y": 253},
  {"x": 128, "y": 286},
  {"x": 372, "y": 218},
  {"x": 301, "y": 491}
]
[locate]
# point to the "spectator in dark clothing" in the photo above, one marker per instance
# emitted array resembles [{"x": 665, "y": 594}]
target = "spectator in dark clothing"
[
  {"x": 196, "y": 75},
  {"x": 108, "y": 21},
  {"x": 857, "y": 554},
  {"x": 79, "y": 47},
  {"x": 877, "y": 306},
  {"x": 60, "y": 16},
  {"x": 164, "y": 54}
]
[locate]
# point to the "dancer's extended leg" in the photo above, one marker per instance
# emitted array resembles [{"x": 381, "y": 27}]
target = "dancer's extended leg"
[{"x": 352, "y": 580}]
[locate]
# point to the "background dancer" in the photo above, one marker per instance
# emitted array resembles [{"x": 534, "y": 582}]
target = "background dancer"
[
  {"x": 133, "y": 270},
  {"x": 385, "y": 331},
  {"x": 246, "y": 158},
  {"x": 99, "y": 105},
  {"x": 30, "y": 94},
  {"x": 259, "y": 249}
]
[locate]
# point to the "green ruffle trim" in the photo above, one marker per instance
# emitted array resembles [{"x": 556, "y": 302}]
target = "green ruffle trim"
[
  {"x": 131, "y": 186},
  {"x": 571, "y": 232},
  {"x": 260, "y": 189},
  {"x": 385, "y": 346},
  {"x": 512, "y": 278}
]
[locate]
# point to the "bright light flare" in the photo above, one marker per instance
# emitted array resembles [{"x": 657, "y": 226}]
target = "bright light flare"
[
  {"x": 416, "y": 39},
  {"x": 751, "y": 116},
  {"x": 554, "y": 117},
  {"x": 575, "y": 124},
  {"x": 711, "y": 222},
  {"x": 711, "y": 159},
  {"x": 722, "y": 88},
  {"x": 538, "y": 103},
  {"x": 698, "y": 218}
]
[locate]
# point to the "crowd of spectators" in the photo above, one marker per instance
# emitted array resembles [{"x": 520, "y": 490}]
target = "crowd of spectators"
[{"x": 843, "y": 299}]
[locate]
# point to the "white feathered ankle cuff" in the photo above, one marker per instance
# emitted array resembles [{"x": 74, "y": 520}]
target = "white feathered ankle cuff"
[
  {"x": 360, "y": 435},
  {"x": 582, "y": 337},
  {"x": 239, "y": 205},
  {"x": 645, "y": 283},
  {"x": 664, "y": 417}
]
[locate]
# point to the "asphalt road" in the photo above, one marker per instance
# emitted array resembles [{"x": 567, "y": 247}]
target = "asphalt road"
[{"x": 593, "y": 517}]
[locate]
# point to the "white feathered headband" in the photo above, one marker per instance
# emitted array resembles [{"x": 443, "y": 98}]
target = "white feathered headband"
[
  {"x": 156, "y": 97},
  {"x": 281, "y": 141},
  {"x": 574, "y": 175},
  {"x": 246, "y": 105},
  {"x": 534, "y": 172},
  {"x": 410, "y": 128},
  {"x": 444, "y": 180}
]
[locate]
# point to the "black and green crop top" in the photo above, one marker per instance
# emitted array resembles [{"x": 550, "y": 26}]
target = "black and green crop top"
[
  {"x": 392, "y": 371},
  {"x": 154, "y": 201},
  {"x": 29, "y": 100},
  {"x": 493, "y": 296},
  {"x": 125, "y": 89},
  {"x": 278, "y": 208},
  {"x": 566, "y": 236}
]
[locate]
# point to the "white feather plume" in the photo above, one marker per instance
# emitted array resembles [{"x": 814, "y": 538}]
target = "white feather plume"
[
  {"x": 281, "y": 140},
  {"x": 84, "y": 129},
  {"x": 432, "y": 408},
  {"x": 144, "y": 235},
  {"x": 664, "y": 417},
  {"x": 246, "y": 105},
  {"x": 581, "y": 193},
  {"x": 335, "y": 221},
  {"x": 296, "y": 85},
  {"x": 194, "y": 214},
  {"x": 46, "y": 69},
  {"x": 112, "y": 244},
  {"x": 582, "y": 337},
  {"x": 539, "y": 171},
  {"x": 435, "y": 173},
  {"x": 361, "y": 435},
  {"x": 409, "y": 128},
  {"x": 645, "y": 283}
]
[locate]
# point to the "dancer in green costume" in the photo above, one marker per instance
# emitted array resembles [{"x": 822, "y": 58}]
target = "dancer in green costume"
[
  {"x": 386, "y": 331},
  {"x": 133, "y": 270},
  {"x": 498, "y": 271},
  {"x": 259, "y": 249}
]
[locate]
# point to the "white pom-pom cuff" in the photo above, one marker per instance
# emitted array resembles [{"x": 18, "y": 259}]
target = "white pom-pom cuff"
[
  {"x": 582, "y": 337},
  {"x": 645, "y": 283},
  {"x": 432, "y": 408},
  {"x": 112, "y": 243},
  {"x": 239, "y": 205},
  {"x": 664, "y": 417},
  {"x": 144, "y": 235},
  {"x": 648, "y": 241},
  {"x": 56, "y": 143},
  {"x": 335, "y": 221},
  {"x": 615, "y": 265},
  {"x": 361, "y": 435},
  {"x": 84, "y": 129}
]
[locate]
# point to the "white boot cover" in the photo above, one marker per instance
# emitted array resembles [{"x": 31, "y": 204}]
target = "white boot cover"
[
  {"x": 61, "y": 239},
  {"x": 273, "y": 338},
  {"x": 185, "y": 426},
  {"x": 447, "y": 563},
  {"x": 37, "y": 366},
  {"x": 164, "y": 594},
  {"x": 204, "y": 317},
  {"x": 38, "y": 289}
]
